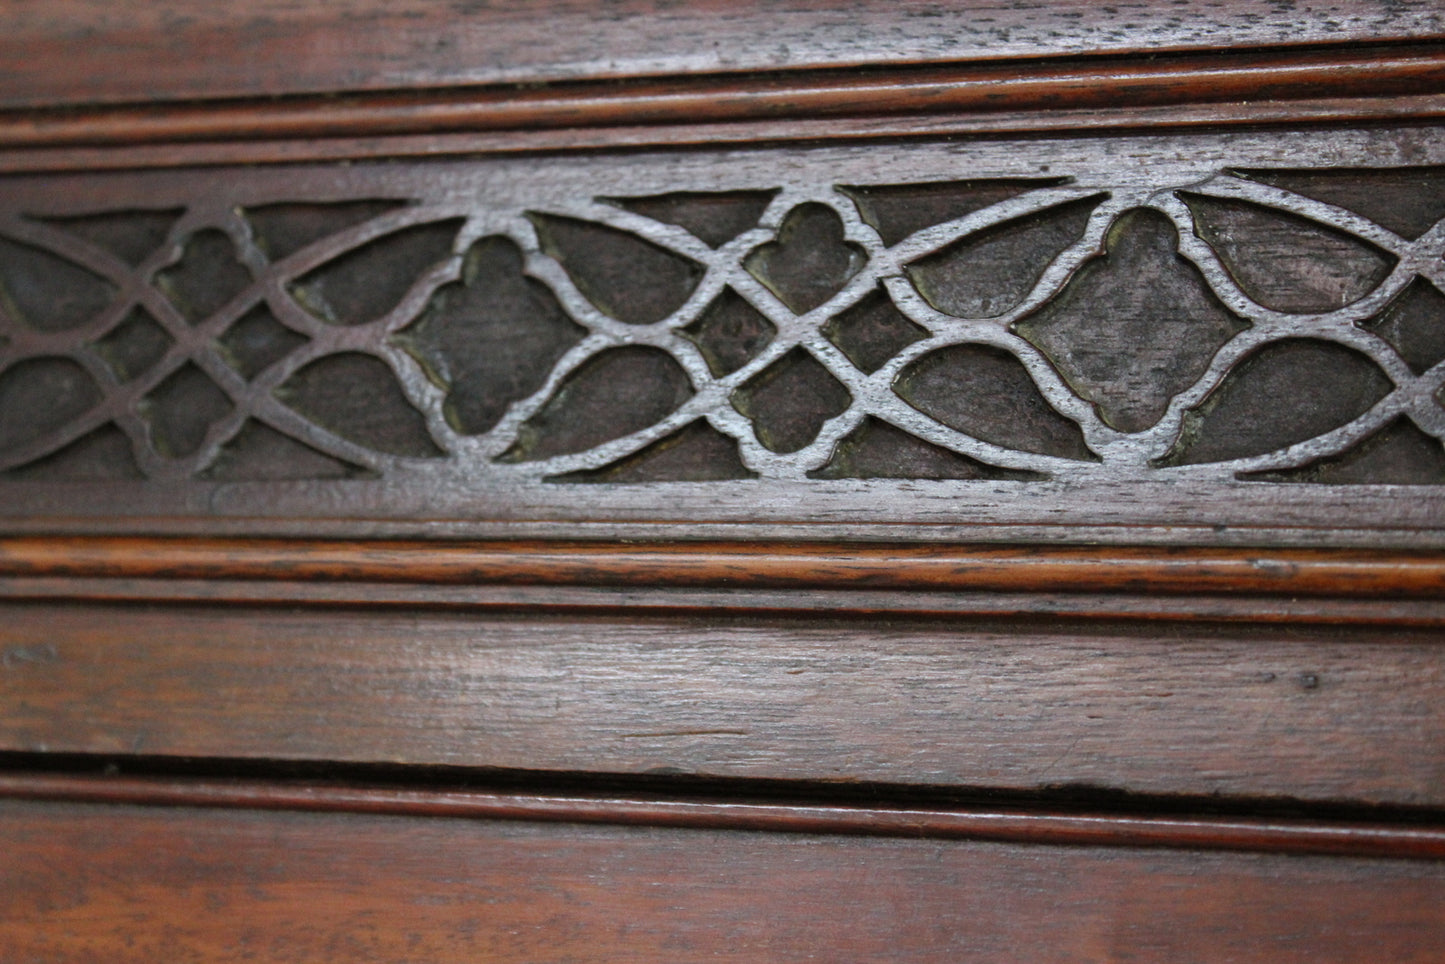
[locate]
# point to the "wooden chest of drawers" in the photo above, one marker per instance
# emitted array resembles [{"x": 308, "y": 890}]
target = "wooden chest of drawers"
[{"x": 663, "y": 483}]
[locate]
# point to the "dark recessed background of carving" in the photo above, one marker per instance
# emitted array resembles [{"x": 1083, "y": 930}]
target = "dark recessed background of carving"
[{"x": 1264, "y": 325}]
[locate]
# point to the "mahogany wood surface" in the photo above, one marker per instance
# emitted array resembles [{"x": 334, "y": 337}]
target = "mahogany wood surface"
[
  {"x": 1308, "y": 712},
  {"x": 1330, "y": 112},
  {"x": 1075, "y": 84},
  {"x": 82, "y": 51},
  {"x": 1235, "y": 585},
  {"x": 124, "y": 883},
  {"x": 1036, "y": 825},
  {"x": 1184, "y": 607},
  {"x": 436, "y": 657},
  {"x": 726, "y": 601},
  {"x": 825, "y": 565}
]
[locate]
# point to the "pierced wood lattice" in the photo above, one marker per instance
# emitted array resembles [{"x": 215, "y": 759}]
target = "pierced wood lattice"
[{"x": 806, "y": 315}]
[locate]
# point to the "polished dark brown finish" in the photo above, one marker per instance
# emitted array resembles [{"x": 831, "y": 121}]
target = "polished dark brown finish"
[
  {"x": 1307, "y": 112},
  {"x": 188, "y": 49},
  {"x": 1315, "y": 713},
  {"x": 1036, "y": 826},
  {"x": 722, "y": 481},
  {"x": 823, "y": 565},
  {"x": 1057, "y": 85},
  {"x": 1141, "y": 605},
  {"x": 143, "y": 884}
]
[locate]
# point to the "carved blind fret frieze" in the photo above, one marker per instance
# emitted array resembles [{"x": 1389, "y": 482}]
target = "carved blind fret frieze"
[{"x": 1225, "y": 312}]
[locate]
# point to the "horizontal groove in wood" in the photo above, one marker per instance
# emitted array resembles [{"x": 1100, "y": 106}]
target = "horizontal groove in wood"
[
  {"x": 126, "y": 884},
  {"x": 583, "y": 599},
  {"x": 1181, "y": 607},
  {"x": 1036, "y": 827},
  {"x": 1303, "y": 112},
  {"x": 1052, "y": 569},
  {"x": 1070, "y": 84},
  {"x": 139, "y": 884}
]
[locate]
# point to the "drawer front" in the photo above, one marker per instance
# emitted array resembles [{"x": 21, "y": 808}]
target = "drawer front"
[
  {"x": 1315, "y": 714},
  {"x": 139, "y": 884}
]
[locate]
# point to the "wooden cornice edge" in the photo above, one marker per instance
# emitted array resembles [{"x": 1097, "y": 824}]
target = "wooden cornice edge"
[{"x": 1051, "y": 88}]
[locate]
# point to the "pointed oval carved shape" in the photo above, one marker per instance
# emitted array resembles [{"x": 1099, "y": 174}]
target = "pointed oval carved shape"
[
  {"x": 356, "y": 396},
  {"x": 624, "y": 276},
  {"x": 987, "y": 393},
  {"x": 44, "y": 291},
  {"x": 1279, "y": 395},
  {"x": 614, "y": 393},
  {"x": 40, "y": 395},
  {"x": 1286, "y": 262},
  {"x": 990, "y": 273}
]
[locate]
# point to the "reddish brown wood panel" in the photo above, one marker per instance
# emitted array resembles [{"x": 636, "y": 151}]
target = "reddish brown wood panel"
[
  {"x": 1323, "y": 585},
  {"x": 130, "y": 884},
  {"x": 968, "y": 90},
  {"x": 1243, "y": 572},
  {"x": 1336, "y": 112},
  {"x": 88, "y": 50},
  {"x": 1033, "y": 825},
  {"x": 1308, "y": 712}
]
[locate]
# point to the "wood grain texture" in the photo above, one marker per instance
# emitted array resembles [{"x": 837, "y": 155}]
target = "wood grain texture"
[
  {"x": 968, "y": 89},
  {"x": 1304, "y": 112},
  {"x": 1034, "y": 826},
  {"x": 557, "y": 599},
  {"x": 142, "y": 884},
  {"x": 301, "y": 592},
  {"x": 823, "y": 565},
  {"x": 89, "y": 51},
  {"x": 1313, "y": 713},
  {"x": 395, "y": 445}
]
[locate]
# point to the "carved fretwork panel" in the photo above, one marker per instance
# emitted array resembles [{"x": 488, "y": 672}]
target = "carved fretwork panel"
[{"x": 1221, "y": 330}]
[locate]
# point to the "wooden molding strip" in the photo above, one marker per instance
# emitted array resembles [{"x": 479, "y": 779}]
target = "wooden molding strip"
[
  {"x": 1115, "y": 119},
  {"x": 1255, "y": 609},
  {"x": 1046, "y": 85},
  {"x": 938, "y": 568},
  {"x": 1037, "y": 827}
]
